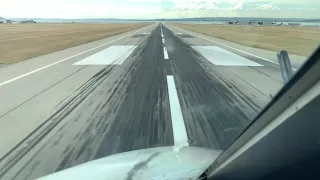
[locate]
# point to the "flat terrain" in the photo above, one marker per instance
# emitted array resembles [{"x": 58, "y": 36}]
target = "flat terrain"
[
  {"x": 296, "y": 40},
  {"x": 57, "y": 112},
  {"x": 19, "y": 42}
]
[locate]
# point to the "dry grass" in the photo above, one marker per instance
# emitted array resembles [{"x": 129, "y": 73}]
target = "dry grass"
[
  {"x": 23, "y": 41},
  {"x": 296, "y": 40}
]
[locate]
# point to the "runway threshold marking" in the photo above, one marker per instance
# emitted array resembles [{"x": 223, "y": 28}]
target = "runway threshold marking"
[
  {"x": 65, "y": 59},
  {"x": 179, "y": 129},
  {"x": 219, "y": 56},
  {"x": 229, "y": 47},
  {"x": 112, "y": 55},
  {"x": 165, "y": 53},
  {"x": 226, "y": 46}
]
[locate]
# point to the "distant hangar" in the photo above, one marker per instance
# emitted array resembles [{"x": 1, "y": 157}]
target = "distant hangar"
[{"x": 5, "y": 21}]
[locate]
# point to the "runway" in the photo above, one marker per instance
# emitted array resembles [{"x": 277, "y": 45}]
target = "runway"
[{"x": 156, "y": 86}]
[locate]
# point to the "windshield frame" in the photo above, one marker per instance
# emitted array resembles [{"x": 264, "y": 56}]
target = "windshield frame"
[{"x": 303, "y": 80}]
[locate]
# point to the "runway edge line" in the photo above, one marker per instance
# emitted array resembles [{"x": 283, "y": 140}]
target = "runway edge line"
[{"x": 65, "y": 59}]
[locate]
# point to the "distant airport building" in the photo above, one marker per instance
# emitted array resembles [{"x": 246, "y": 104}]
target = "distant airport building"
[
  {"x": 5, "y": 21},
  {"x": 252, "y": 23},
  {"x": 2, "y": 20},
  {"x": 28, "y": 21},
  {"x": 267, "y": 23}
]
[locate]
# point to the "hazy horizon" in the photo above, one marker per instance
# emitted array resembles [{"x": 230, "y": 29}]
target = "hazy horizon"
[
  {"x": 35, "y": 18},
  {"x": 155, "y": 9}
]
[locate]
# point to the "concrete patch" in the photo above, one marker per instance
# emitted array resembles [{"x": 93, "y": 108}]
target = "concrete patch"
[
  {"x": 219, "y": 56},
  {"x": 3, "y": 65},
  {"x": 139, "y": 35},
  {"x": 185, "y": 36},
  {"x": 112, "y": 55}
]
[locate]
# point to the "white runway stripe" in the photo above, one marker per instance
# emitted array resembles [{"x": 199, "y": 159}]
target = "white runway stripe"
[
  {"x": 219, "y": 56},
  {"x": 163, "y": 41},
  {"x": 165, "y": 53},
  {"x": 179, "y": 129},
  {"x": 229, "y": 46},
  {"x": 66, "y": 59},
  {"x": 111, "y": 55},
  {"x": 161, "y": 32}
]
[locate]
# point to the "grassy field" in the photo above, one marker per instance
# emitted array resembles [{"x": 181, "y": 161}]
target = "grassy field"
[
  {"x": 23, "y": 41},
  {"x": 296, "y": 40}
]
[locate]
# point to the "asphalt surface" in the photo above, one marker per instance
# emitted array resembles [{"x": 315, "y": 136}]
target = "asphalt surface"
[{"x": 119, "y": 108}]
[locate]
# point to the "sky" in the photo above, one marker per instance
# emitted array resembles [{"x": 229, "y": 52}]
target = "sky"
[{"x": 148, "y": 9}]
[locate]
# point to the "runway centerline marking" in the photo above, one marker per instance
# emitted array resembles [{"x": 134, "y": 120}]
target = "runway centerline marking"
[
  {"x": 179, "y": 129},
  {"x": 65, "y": 59},
  {"x": 165, "y": 53},
  {"x": 161, "y": 32}
]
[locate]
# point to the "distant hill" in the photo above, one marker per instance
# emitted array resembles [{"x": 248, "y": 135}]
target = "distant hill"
[
  {"x": 20, "y": 19},
  {"x": 313, "y": 20}
]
